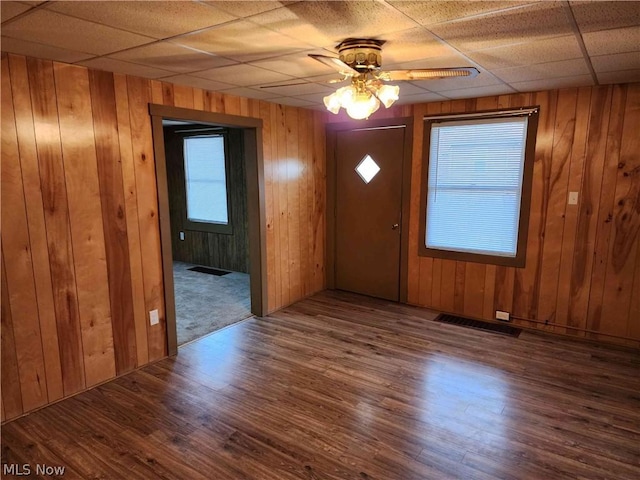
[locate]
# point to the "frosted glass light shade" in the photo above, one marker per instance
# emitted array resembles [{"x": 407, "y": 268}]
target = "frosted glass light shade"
[
  {"x": 362, "y": 105},
  {"x": 388, "y": 94}
]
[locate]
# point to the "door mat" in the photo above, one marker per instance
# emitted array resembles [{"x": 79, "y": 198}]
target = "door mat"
[
  {"x": 209, "y": 270},
  {"x": 490, "y": 327}
]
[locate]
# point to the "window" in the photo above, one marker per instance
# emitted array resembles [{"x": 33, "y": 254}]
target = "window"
[
  {"x": 206, "y": 182},
  {"x": 477, "y": 189}
]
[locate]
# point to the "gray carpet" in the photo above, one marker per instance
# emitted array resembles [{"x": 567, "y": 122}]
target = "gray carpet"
[{"x": 205, "y": 303}]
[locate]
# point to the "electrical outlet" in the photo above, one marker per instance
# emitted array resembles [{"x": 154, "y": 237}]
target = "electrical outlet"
[
  {"x": 504, "y": 316},
  {"x": 573, "y": 198},
  {"x": 154, "y": 319},
  {"x": 181, "y": 235}
]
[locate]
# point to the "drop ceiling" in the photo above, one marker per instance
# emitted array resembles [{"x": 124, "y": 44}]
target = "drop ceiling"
[{"x": 241, "y": 47}]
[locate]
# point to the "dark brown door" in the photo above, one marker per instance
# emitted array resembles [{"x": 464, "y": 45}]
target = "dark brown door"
[{"x": 368, "y": 215}]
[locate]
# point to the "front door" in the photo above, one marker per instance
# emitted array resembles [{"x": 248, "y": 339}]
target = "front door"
[{"x": 368, "y": 210}]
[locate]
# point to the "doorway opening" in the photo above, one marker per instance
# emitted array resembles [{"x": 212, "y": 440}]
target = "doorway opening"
[
  {"x": 211, "y": 208},
  {"x": 206, "y": 179}
]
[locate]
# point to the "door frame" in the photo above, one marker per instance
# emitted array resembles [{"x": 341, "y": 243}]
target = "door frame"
[
  {"x": 332, "y": 130},
  {"x": 254, "y": 164}
]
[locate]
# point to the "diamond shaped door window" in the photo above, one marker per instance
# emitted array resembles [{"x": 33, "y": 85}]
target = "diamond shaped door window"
[{"x": 367, "y": 168}]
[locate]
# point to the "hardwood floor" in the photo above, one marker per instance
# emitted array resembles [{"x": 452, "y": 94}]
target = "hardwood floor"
[{"x": 341, "y": 386}]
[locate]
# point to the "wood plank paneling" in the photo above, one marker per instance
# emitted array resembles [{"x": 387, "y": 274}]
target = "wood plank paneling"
[
  {"x": 85, "y": 218},
  {"x": 36, "y": 224},
  {"x": 291, "y": 171},
  {"x": 10, "y": 377},
  {"x": 556, "y": 183},
  {"x": 105, "y": 123},
  {"x": 572, "y": 214},
  {"x": 581, "y": 268},
  {"x": 623, "y": 246},
  {"x": 81, "y": 222},
  {"x": 139, "y": 91},
  {"x": 131, "y": 217},
  {"x": 18, "y": 265},
  {"x": 54, "y": 198},
  {"x": 604, "y": 231}
]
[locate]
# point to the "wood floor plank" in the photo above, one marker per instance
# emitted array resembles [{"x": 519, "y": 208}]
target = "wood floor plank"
[{"x": 342, "y": 386}]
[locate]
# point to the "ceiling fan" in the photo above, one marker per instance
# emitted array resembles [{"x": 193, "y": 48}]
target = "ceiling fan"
[{"x": 360, "y": 60}]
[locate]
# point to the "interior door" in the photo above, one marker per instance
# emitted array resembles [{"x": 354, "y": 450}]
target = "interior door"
[{"x": 368, "y": 210}]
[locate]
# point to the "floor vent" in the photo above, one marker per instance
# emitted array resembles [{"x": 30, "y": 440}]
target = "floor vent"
[
  {"x": 210, "y": 271},
  {"x": 490, "y": 327}
]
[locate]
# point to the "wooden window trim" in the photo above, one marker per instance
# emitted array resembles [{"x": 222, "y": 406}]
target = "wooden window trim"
[{"x": 525, "y": 203}]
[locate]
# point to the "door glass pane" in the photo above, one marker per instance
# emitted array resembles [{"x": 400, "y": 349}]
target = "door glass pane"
[{"x": 367, "y": 169}]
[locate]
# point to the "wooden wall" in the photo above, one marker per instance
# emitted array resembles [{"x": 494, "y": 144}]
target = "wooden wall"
[
  {"x": 583, "y": 261},
  {"x": 81, "y": 265},
  {"x": 228, "y": 251},
  {"x": 582, "y": 270}
]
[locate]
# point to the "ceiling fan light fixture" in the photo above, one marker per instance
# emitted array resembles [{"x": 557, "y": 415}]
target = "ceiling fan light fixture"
[
  {"x": 332, "y": 102},
  {"x": 388, "y": 94},
  {"x": 362, "y": 105},
  {"x": 358, "y": 102}
]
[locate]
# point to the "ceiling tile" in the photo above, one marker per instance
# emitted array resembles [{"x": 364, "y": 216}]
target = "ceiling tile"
[
  {"x": 479, "y": 92},
  {"x": 413, "y": 44},
  {"x": 241, "y": 41},
  {"x": 243, "y": 75},
  {"x": 37, "y": 50},
  {"x": 412, "y": 88},
  {"x": 196, "y": 82},
  {"x": 315, "y": 98},
  {"x": 619, "y": 40},
  {"x": 518, "y": 25},
  {"x": 484, "y": 79},
  {"x": 328, "y": 23},
  {"x": 246, "y": 9},
  {"x": 297, "y": 65},
  {"x": 616, "y": 62},
  {"x": 61, "y": 31},
  {"x": 424, "y": 97},
  {"x": 8, "y": 10},
  {"x": 288, "y": 23},
  {"x": 530, "y": 53},
  {"x": 429, "y": 13},
  {"x": 564, "y": 68},
  {"x": 261, "y": 94},
  {"x": 127, "y": 68},
  {"x": 553, "y": 83},
  {"x": 172, "y": 57},
  {"x": 157, "y": 19},
  {"x": 602, "y": 15},
  {"x": 624, "y": 76}
]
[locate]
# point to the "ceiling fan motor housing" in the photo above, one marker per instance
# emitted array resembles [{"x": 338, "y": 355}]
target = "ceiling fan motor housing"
[{"x": 361, "y": 54}]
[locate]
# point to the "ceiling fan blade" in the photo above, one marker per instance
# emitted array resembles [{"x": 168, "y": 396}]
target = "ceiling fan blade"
[
  {"x": 428, "y": 73},
  {"x": 336, "y": 64}
]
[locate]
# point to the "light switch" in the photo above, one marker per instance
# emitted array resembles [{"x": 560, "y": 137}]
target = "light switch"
[
  {"x": 181, "y": 235},
  {"x": 573, "y": 198},
  {"x": 154, "y": 319}
]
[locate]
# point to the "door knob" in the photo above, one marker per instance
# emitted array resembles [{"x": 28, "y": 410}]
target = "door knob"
[{"x": 394, "y": 226}]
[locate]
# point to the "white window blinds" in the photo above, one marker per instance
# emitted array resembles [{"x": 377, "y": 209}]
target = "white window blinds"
[
  {"x": 206, "y": 184},
  {"x": 475, "y": 185}
]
